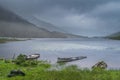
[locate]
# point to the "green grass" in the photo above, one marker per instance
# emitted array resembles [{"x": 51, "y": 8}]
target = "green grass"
[
  {"x": 42, "y": 72},
  {"x": 3, "y": 40}
]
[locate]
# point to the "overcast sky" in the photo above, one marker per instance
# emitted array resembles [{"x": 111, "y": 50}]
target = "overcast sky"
[{"x": 84, "y": 17}]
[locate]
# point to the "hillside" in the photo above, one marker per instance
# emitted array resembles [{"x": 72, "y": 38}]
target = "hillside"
[
  {"x": 114, "y": 36},
  {"x": 43, "y": 24},
  {"x": 12, "y": 25}
]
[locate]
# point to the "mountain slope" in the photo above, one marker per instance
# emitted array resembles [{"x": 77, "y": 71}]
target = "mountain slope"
[
  {"x": 43, "y": 24},
  {"x": 11, "y": 25}
]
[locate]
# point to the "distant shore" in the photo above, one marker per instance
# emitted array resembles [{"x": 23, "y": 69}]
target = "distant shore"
[{"x": 7, "y": 39}]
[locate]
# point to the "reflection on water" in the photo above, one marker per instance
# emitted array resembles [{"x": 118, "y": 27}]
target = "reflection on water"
[{"x": 95, "y": 50}]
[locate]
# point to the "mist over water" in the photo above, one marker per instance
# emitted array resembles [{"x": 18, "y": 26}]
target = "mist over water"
[{"x": 95, "y": 50}]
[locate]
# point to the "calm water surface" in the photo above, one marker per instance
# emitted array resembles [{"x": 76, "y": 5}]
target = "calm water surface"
[{"x": 95, "y": 50}]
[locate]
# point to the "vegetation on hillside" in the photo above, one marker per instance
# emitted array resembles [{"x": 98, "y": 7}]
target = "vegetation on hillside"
[
  {"x": 3, "y": 40},
  {"x": 116, "y": 38}
]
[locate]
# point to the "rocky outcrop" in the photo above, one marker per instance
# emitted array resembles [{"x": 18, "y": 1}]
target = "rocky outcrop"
[
  {"x": 16, "y": 73},
  {"x": 101, "y": 65}
]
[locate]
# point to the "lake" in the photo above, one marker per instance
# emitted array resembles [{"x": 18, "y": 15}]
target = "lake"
[{"x": 50, "y": 49}]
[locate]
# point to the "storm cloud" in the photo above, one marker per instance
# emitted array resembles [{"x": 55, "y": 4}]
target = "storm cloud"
[{"x": 84, "y": 17}]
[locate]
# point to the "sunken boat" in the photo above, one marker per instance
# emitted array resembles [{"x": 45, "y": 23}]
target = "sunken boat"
[{"x": 59, "y": 60}]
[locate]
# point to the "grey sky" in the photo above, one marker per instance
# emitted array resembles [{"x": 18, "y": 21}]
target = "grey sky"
[{"x": 84, "y": 17}]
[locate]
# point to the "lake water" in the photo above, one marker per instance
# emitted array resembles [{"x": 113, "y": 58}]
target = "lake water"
[{"x": 95, "y": 50}]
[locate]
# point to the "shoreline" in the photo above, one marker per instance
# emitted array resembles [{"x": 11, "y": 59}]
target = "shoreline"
[
  {"x": 9, "y": 39},
  {"x": 43, "y": 71}
]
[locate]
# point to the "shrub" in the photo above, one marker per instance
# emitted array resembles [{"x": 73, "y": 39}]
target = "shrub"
[{"x": 21, "y": 60}]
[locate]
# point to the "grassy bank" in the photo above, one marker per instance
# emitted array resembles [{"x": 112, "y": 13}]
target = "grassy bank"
[
  {"x": 41, "y": 71},
  {"x": 3, "y": 40}
]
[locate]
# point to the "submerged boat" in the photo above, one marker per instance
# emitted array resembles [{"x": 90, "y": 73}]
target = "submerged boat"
[{"x": 70, "y": 59}]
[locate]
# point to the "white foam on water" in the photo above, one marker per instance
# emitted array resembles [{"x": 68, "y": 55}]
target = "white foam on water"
[{"x": 70, "y": 46}]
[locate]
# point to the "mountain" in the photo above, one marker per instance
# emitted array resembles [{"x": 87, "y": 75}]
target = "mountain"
[
  {"x": 114, "y": 36},
  {"x": 43, "y": 24},
  {"x": 12, "y": 25}
]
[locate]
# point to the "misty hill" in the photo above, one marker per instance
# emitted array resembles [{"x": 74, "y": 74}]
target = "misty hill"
[
  {"x": 12, "y": 25},
  {"x": 43, "y": 24},
  {"x": 114, "y": 36}
]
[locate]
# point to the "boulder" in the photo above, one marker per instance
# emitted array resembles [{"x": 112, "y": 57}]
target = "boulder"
[
  {"x": 16, "y": 73},
  {"x": 101, "y": 65}
]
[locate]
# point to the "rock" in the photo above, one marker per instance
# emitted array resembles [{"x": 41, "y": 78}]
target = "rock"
[
  {"x": 16, "y": 73},
  {"x": 101, "y": 65}
]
